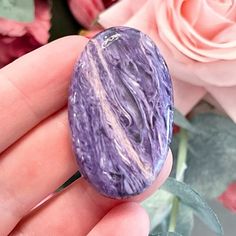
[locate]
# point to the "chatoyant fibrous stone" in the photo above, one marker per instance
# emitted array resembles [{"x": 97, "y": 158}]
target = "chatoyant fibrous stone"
[{"x": 121, "y": 112}]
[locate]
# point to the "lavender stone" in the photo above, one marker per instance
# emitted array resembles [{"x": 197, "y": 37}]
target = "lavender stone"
[{"x": 121, "y": 112}]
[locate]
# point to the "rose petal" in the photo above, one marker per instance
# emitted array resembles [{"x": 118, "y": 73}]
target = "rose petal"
[
  {"x": 193, "y": 71},
  {"x": 16, "y": 47},
  {"x": 219, "y": 73},
  {"x": 227, "y": 35},
  {"x": 86, "y": 11},
  {"x": 226, "y": 8},
  {"x": 186, "y": 95},
  {"x": 108, "y": 3},
  {"x": 178, "y": 32},
  {"x": 18, "y": 38},
  {"x": 199, "y": 42},
  {"x": 4, "y": 55},
  {"x": 120, "y": 12},
  {"x": 228, "y": 198},
  {"x": 209, "y": 99},
  {"x": 12, "y": 28},
  {"x": 187, "y": 14},
  {"x": 170, "y": 33},
  {"x": 209, "y": 22},
  {"x": 226, "y": 97},
  {"x": 39, "y": 28}
]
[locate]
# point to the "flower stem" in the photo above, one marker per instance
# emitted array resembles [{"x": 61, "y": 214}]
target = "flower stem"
[
  {"x": 182, "y": 155},
  {"x": 180, "y": 169},
  {"x": 173, "y": 214}
]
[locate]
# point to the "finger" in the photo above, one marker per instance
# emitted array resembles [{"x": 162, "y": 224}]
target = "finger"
[
  {"x": 78, "y": 209},
  {"x": 128, "y": 219},
  {"x": 35, "y": 86},
  {"x": 33, "y": 168}
]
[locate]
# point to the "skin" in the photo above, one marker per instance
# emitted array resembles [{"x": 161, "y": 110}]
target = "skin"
[{"x": 36, "y": 156}]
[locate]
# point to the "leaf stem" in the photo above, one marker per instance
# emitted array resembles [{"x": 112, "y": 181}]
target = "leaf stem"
[{"x": 180, "y": 169}]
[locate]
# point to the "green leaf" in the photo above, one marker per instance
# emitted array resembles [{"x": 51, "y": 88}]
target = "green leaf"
[
  {"x": 192, "y": 199},
  {"x": 166, "y": 234},
  {"x": 162, "y": 227},
  {"x": 22, "y": 10},
  {"x": 182, "y": 122},
  {"x": 158, "y": 206},
  {"x": 211, "y": 155},
  {"x": 185, "y": 220}
]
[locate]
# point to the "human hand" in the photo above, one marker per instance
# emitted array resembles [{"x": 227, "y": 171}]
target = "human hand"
[{"x": 36, "y": 156}]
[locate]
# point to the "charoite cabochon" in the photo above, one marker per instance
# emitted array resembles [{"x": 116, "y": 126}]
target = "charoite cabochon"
[{"x": 121, "y": 112}]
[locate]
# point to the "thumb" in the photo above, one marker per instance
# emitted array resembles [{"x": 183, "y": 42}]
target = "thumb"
[{"x": 127, "y": 219}]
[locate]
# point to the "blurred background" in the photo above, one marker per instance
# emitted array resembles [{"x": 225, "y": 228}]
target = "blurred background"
[{"x": 198, "y": 41}]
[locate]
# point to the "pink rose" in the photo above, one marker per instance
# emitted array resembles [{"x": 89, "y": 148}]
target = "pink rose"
[
  {"x": 197, "y": 39},
  {"x": 18, "y": 38},
  {"x": 86, "y": 11},
  {"x": 228, "y": 198}
]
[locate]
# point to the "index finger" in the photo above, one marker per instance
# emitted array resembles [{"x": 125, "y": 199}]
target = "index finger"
[
  {"x": 77, "y": 209},
  {"x": 35, "y": 86}
]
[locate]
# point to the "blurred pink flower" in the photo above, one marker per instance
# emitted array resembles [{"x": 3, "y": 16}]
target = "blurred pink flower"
[
  {"x": 197, "y": 39},
  {"x": 86, "y": 11},
  {"x": 228, "y": 198},
  {"x": 18, "y": 38}
]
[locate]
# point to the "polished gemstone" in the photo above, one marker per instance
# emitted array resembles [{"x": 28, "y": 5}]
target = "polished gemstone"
[{"x": 121, "y": 112}]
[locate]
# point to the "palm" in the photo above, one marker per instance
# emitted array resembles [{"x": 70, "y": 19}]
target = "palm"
[{"x": 36, "y": 154}]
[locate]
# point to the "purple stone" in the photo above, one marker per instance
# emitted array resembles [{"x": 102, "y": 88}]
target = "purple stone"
[{"x": 121, "y": 112}]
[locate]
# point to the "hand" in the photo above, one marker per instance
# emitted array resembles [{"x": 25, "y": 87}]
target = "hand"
[{"x": 36, "y": 156}]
